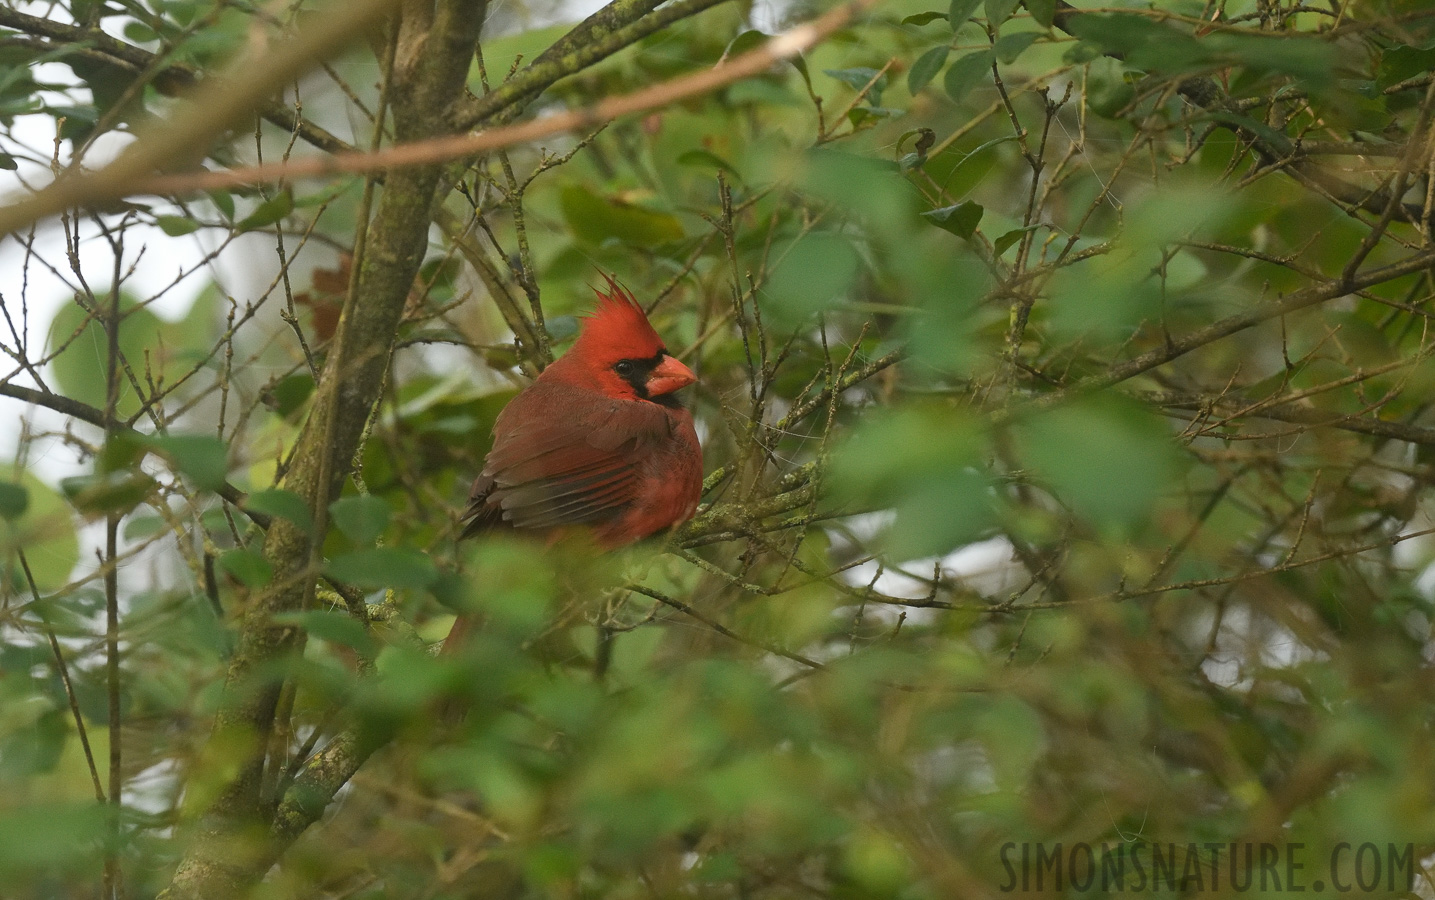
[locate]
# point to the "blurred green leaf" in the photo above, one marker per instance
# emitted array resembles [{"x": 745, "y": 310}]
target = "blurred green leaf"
[
  {"x": 960, "y": 219},
  {"x": 924, "y": 462},
  {"x": 811, "y": 273},
  {"x": 111, "y": 492},
  {"x": 705, "y": 159},
  {"x": 204, "y": 459},
  {"x": 924, "y": 18},
  {"x": 1107, "y": 90},
  {"x": 14, "y": 500},
  {"x": 966, "y": 73},
  {"x": 926, "y": 67},
  {"x": 333, "y": 626},
  {"x": 361, "y": 519},
  {"x": 270, "y": 212},
  {"x": 37, "y": 520},
  {"x": 248, "y": 568},
  {"x": 383, "y": 567},
  {"x": 175, "y": 226},
  {"x": 1014, "y": 738},
  {"x": 282, "y": 503},
  {"x": 1403, "y": 61},
  {"x": 39, "y": 836},
  {"x": 1109, "y": 459},
  {"x": 80, "y": 368},
  {"x": 748, "y": 40},
  {"x": 859, "y": 78},
  {"x": 597, "y": 219},
  {"x": 223, "y": 201},
  {"x": 864, "y": 185}
]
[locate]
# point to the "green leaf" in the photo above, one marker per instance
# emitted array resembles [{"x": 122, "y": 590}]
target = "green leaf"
[
  {"x": 966, "y": 72},
  {"x": 810, "y": 274},
  {"x": 706, "y": 159},
  {"x": 44, "y": 528},
  {"x": 332, "y": 626},
  {"x": 1011, "y": 46},
  {"x": 268, "y": 213},
  {"x": 926, "y": 68},
  {"x": 998, "y": 11},
  {"x": 1107, "y": 90},
  {"x": 80, "y": 368},
  {"x": 924, "y": 18},
  {"x": 384, "y": 567},
  {"x": 960, "y": 219},
  {"x": 1001, "y": 244},
  {"x": 748, "y": 40},
  {"x": 960, "y": 11},
  {"x": 143, "y": 527},
  {"x": 866, "y": 186},
  {"x": 1107, "y": 458},
  {"x": 8, "y": 162},
  {"x": 223, "y": 201},
  {"x": 43, "y": 837},
  {"x": 924, "y": 461},
  {"x": 175, "y": 226},
  {"x": 122, "y": 451},
  {"x": 282, "y": 504},
  {"x": 288, "y": 396},
  {"x": 1014, "y": 737},
  {"x": 1142, "y": 43},
  {"x": 112, "y": 492},
  {"x": 328, "y": 195},
  {"x": 361, "y": 519},
  {"x": 249, "y": 568},
  {"x": 1278, "y": 139},
  {"x": 1402, "y": 62},
  {"x": 1043, "y": 11},
  {"x": 203, "y": 458},
  {"x": 867, "y": 116},
  {"x": 597, "y": 219},
  {"x": 140, "y": 33},
  {"x": 859, "y": 77},
  {"x": 800, "y": 64},
  {"x": 14, "y": 500},
  {"x": 561, "y": 328}
]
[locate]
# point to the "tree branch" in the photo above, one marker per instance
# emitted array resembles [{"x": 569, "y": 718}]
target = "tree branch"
[
  {"x": 96, "y": 417},
  {"x": 216, "y": 106}
]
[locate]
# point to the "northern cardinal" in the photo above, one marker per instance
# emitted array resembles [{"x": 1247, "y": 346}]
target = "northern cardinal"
[{"x": 597, "y": 441}]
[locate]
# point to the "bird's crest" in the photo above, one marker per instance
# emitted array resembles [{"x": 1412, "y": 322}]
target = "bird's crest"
[{"x": 618, "y": 327}]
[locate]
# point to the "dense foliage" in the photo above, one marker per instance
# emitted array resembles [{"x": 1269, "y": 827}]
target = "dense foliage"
[{"x": 1065, "y": 401}]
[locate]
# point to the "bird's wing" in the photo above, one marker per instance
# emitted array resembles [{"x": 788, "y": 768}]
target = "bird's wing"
[{"x": 564, "y": 456}]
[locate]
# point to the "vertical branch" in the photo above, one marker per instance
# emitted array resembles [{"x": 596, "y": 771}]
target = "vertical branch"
[
  {"x": 114, "y": 886},
  {"x": 63, "y": 669},
  {"x": 432, "y": 48}
]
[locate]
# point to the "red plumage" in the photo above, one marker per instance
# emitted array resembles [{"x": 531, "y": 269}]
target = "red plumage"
[{"x": 597, "y": 441}]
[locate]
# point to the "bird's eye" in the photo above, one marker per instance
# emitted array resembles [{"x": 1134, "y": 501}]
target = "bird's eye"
[{"x": 624, "y": 368}]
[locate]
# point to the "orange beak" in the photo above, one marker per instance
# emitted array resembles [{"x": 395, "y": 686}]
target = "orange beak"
[{"x": 669, "y": 376}]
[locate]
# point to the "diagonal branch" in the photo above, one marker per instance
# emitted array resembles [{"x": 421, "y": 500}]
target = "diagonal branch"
[
  {"x": 215, "y": 106},
  {"x": 457, "y": 146},
  {"x": 1298, "y": 300},
  {"x": 85, "y": 413},
  {"x": 170, "y": 78}
]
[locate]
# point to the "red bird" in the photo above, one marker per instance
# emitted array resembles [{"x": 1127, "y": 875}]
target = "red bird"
[{"x": 597, "y": 441}]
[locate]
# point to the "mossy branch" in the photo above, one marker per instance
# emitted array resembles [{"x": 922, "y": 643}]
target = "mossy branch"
[{"x": 424, "y": 83}]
